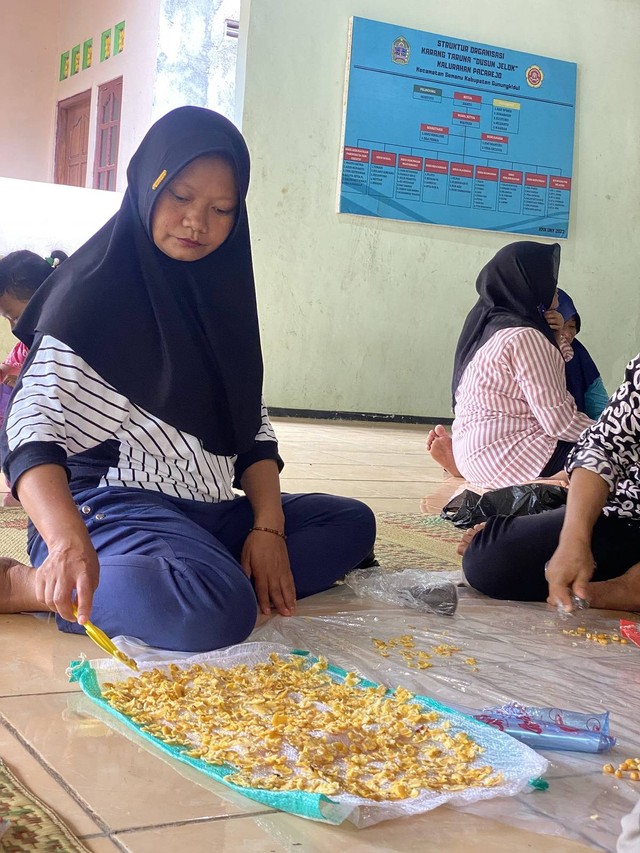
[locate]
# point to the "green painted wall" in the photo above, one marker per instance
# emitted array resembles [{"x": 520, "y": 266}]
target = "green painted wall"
[{"x": 363, "y": 315}]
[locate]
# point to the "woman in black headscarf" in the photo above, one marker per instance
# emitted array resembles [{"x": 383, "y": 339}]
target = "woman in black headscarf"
[
  {"x": 139, "y": 410},
  {"x": 514, "y": 419}
]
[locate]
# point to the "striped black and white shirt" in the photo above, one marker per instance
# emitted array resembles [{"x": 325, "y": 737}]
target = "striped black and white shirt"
[{"x": 63, "y": 412}]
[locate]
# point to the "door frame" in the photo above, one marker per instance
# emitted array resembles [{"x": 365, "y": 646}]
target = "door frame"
[{"x": 61, "y": 131}]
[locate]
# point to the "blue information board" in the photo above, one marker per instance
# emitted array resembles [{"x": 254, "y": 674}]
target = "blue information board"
[{"x": 454, "y": 132}]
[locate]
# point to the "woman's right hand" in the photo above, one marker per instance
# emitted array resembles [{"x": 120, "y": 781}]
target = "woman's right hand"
[
  {"x": 71, "y": 565},
  {"x": 568, "y": 572},
  {"x": 554, "y": 319}
]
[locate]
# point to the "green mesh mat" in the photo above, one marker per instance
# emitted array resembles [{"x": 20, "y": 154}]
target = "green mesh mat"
[{"x": 518, "y": 763}]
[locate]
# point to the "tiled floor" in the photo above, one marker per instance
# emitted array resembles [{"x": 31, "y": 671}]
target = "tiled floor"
[{"x": 118, "y": 796}]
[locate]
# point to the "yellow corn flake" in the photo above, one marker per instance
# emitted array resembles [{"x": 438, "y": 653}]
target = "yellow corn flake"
[
  {"x": 446, "y": 650},
  {"x": 284, "y": 726},
  {"x": 601, "y": 637},
  {"x": 414, "y": 658},
  {"x": 629, "y": 768}
]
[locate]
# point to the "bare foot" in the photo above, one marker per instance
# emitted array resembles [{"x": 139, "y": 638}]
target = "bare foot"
[
  {"x": 440, "y": 446},
  {"x": 17, "y": 587},
  {"x": 621, "y": 593},
  {"x": 467, "y": 536},
  {"x": 9, "y": 500}
]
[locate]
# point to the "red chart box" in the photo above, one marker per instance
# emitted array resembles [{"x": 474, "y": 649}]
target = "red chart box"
[
  {"x": 557, "y": 183},
  {"x": 384, "y": 158},
  {"x": 439, "y": 166},
  {"x": 532, "y": 179},
  {"x": 462, "y": 170},
  {"x": 493, "y": 137},
  {"x": 433, "y": 128},
  {"x": 463, "y": 96},
  {"x": 486, "y": 173},
  {"x": 406, "y": 161},
  {"x": 467, "y": 117},
  {"x": 356, "y": 155},
  {"x": 508, "y": 176}
]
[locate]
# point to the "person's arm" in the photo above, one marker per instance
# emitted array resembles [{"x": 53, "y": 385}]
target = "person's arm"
[
  {"x": 264, "y": 447},
  {"x": 538, "y": 369},
  {"x": 607, "y": 453},
  {"x": 571, "y": 567},
  {"x": 264, "y": 554},
  {"x": 72, "y": 563},
  {"x": 60, "y": 407}
]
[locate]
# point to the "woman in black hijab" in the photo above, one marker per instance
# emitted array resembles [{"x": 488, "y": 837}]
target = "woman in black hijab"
[
  {"x": 140, "y": 406},
  {"x": 514, "y": 419}
]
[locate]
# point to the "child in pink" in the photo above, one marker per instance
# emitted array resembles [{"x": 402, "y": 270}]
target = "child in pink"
[
  {"x": 10, "y": 367},
  {"x": 21, "y": 274}
]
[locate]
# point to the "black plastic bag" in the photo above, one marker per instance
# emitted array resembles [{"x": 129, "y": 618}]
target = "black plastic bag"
[{"x": 469, "y": 508}]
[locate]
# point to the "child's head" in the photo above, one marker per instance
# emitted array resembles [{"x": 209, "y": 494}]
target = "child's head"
[
  {"x": 21, "y": 274},
  {"x": 570, "y": 316},
  {"x": 570, "y": 328}
]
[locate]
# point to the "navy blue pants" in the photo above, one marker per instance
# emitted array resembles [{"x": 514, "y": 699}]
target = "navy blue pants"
[
  {"x": 170, "y": 569},
  {"x": 507, "y": 558}
]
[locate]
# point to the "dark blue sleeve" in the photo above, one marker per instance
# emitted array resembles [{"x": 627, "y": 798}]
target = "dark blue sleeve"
[
  {"x": 260, "y": 450},
  {"x": 29, "y": 455}
]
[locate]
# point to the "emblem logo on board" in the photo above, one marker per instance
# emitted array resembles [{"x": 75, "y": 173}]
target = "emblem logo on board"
[
  {"x": 534, "y": 76},
  {"x": 400, "y": 51}
]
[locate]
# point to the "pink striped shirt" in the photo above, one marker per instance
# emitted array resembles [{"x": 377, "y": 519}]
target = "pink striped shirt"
[{"x": 512, "y": 407}]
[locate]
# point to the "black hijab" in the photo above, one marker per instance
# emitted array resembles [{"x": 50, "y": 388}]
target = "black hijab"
[
  {"x": 515, "y": 287},
  {"x": 179, "y": 339}
]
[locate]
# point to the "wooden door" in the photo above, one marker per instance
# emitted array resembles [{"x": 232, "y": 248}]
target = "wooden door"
[
  {"x": 72, "y": 140},
  {"x": 105, "y": 164}
]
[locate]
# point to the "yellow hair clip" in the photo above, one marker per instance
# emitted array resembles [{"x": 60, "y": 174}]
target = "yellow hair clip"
[{"x": 159, "y": 179}]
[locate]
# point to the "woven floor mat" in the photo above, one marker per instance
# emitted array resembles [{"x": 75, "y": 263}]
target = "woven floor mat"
[
  {"x": 32, "y": 824},
  {"x": 416, "y": 541},
  {"x": 13, "y": 533},
  {"x": 404, "y": 540}
]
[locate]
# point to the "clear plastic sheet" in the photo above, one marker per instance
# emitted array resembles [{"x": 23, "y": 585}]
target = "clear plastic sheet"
[
  {"x": 427, "y": 592},
  {"x": 522, "y": 656},
  {"x": 517, "y": 763}
]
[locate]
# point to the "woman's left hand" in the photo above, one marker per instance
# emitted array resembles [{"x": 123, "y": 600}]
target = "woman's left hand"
[
  {"x": 554, "y": 319},
  {"x": 265, "y": 559}
]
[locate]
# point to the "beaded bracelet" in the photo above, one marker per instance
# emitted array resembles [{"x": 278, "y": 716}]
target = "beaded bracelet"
[{"x": 269, "y": 530}]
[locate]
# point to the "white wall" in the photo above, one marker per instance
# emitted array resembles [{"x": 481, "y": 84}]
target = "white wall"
[
  {"x": 31, "y": 89},
  {"x": 363, "y": 315},
  {"x": 42, "y": 217},
  {"x": 28, "y": 73},
  {"x": 136, "y": 64}
]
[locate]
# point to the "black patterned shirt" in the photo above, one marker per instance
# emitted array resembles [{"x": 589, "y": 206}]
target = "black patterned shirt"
[{"x": 611, "y": 447}]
